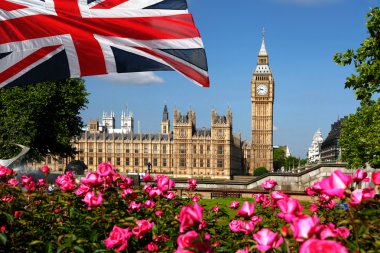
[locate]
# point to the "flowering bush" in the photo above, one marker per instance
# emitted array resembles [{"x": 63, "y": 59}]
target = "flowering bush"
[{"x": 105, "y": 214}]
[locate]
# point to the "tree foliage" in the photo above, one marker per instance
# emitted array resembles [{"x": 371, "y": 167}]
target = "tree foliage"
[
  {"x": 278, "y": 158},
  {"x": 260, "y": 171},
  {"x": 360, "y": 136},
  {"x": 43, "y": 116},
  {"x": 366, "y": 60}
]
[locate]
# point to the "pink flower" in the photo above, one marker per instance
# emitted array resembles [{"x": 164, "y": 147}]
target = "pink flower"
[
  {"x": 269, "y": 184},
  {"x": 247, "y": 227},
  {"x": 118, "y": 239},
  {"x": 126, "y": 192},
  {"x": 276, "y": 196},
  {"x": 134, "y": 206},
  {"x": 45, "y": 169},
  {"x": 149, "y": 204},
  {"x": 322, "y": 246},
  {"x": 105, "y": 169},
  {"x": 192, "y": 240},
  {"x": 153, "y": 192},
  {"x": 245, "y": 250},
  {"x": 126, "y": 182},
  {"x": 143, "y": 227},
  {"x": 238, "y": 226},
  {"x": 290, "y": 208},
  {"x": 25, "y": 180},
  {"x": 376, "y": 177},
  {"x": 234, "y": 204},
  {"x": 92, "y": 200},
  {"x": 246, "y": 210},
  {"x": 342, "y": 232},
  {"x": 82, "y": 189},
  {"x": 159, "y": 213},
  {"x": 360, "y": 175},
  {"x": 303, "y": 227},
  {"x": 147, "y": 178},
  {"x": 8, "y": 198},
  {"x": 68, "y": 186},
  {"x": 92, "y": 179},
  {"x": 215, "y": 209},
  {"x": 190, "y": 216},
  {"x": 12, "y": 182},
  {"x": 41, "y": 182},
  {"x": 309, "y": 191},
  {"x": 18, "y": 214},
  {"x": 3, "y": 171},
  {"x": 192, "y": 184},
  {"x": 164, "y": 183},
  {"x": 266, "y": 240},
  {"x": 151, "y": 247},
  {"x": 313, "y": 208},
  {"x": 360, "y": 195},
  {"x": 260, "y": 197},
  {"x": 195, "y": 198},
  {"x": 335, "y": 185},
  {"x": 235, "y": 225},
  {"x": 170, "y": 195}
]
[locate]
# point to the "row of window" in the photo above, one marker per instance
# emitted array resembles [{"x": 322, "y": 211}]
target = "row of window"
[
  {"x": 164, "y": 162},
  {"x": 182, "y": 149},
  {"x": 219, "y": 163}
]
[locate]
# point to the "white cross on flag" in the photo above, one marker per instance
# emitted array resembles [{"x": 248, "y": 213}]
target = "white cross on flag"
[{"x": 42, "y": 40}]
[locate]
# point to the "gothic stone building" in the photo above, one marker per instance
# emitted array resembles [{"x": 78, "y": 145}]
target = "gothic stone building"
[{"x": 184, "y": 150}]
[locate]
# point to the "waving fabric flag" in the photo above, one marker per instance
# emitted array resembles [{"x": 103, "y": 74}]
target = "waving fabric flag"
[{"x": 43, "y": 40}]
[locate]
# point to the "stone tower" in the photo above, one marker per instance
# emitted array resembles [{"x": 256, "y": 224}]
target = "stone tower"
[
  {"x": 127, "y": 122},
  {"x": 165, "y": 122},
  {"x": 262, "y": 97}
]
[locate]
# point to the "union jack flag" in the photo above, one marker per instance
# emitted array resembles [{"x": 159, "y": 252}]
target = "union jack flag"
[{"x": 44, "y": 40}]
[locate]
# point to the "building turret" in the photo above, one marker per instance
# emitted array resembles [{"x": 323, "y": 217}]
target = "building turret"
[{"x": 165, "y": 122}]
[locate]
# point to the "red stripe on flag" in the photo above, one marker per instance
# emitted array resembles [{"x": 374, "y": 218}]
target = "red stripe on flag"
[
  {"x": 8, "y": 6},
  {"x": 185, "y": 70},
  {"x": 26, "y": 62},
  {"x": 108, "y": 4},
  {"x": 147, "y": 28}
]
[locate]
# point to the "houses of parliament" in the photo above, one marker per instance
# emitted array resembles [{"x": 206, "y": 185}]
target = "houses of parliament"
[{"x": 180, "y": 148}]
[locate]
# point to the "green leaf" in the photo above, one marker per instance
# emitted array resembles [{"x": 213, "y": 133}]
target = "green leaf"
[
  {"x": 3, "y": 239},
  {"x": 79, "y": 249},
  {"x": 35, "y": 242}
]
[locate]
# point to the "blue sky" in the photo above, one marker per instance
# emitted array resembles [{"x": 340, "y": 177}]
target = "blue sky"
[{"x": 301, "y": 38}]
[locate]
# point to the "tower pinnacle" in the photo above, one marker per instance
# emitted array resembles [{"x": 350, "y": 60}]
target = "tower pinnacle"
[{"x": 263, "y": 51}]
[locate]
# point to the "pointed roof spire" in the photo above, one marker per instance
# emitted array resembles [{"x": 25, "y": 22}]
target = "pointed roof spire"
[
  {"x": 165, "y": 115},
  {"x": 263, "y": 51}
]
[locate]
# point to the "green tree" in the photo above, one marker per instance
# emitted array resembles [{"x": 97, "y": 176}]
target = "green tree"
[
  {"x": 360, "y": 136},
  {"x": 43, "y": 116},
  {"x": 366, "y": 60},
  {"x": 278, "y": 158}
]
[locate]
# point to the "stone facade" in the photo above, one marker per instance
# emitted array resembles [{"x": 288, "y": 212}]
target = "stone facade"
[
  {"x": 183, "y": 152},
  {"x": 314, "y": 153},
  {"x": 330, "y": 150}
]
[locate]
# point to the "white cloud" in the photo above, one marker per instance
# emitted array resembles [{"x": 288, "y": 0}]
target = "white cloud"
[
  {"x": 136, "y": 78},
  {"x": 275, "y": 128},
  {"x": 308, "y": 2}
]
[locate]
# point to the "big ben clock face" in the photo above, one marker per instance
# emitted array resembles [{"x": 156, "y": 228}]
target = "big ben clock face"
[{"x": 262, "y": 89}]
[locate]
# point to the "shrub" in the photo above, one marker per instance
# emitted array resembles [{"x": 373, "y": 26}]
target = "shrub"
[
  {"x": 105, "y": 213},
  {"x": 260, "y": 171}
]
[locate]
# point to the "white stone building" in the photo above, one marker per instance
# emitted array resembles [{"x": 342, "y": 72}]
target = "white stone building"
[{"x": 314, "y": 153}]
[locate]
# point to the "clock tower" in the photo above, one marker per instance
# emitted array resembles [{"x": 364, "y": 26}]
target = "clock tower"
[{"x": 262, "y": 97}]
